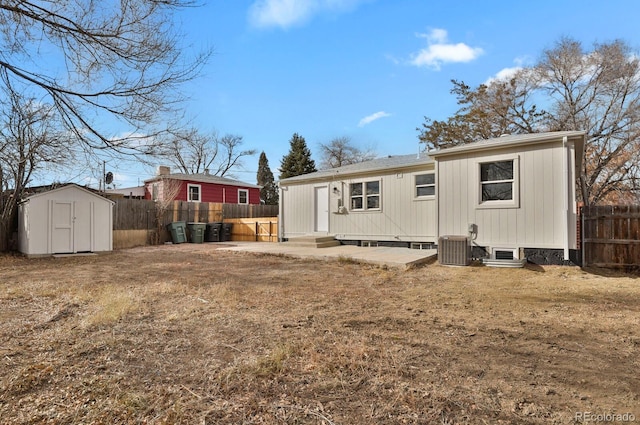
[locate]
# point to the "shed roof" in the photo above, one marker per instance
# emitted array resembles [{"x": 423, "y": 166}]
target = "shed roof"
[
  {"x": 203, "y": 178},
  {"x": 391, "y": 162},
  {"x": 68, "y": 186}
]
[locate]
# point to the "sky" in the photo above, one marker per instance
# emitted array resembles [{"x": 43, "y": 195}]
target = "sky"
[{"x": 369, "y": 70}]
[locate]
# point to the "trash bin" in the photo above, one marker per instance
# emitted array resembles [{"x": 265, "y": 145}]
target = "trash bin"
[
  {"x": 178, "y": 231},
  {"x": 226, "y": 232},
  {"x": 213, "y": 232},
  {"x": 196, "y": 232}
]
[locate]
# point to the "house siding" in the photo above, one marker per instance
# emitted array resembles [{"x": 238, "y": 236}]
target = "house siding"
[
  {"x": 210, "y": 192},
  {"x": 401, "y": 218},
  {"x": 539, "y": 219}
]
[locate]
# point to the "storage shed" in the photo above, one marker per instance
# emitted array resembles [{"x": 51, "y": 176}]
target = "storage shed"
[{"x": 69, "y": 219}]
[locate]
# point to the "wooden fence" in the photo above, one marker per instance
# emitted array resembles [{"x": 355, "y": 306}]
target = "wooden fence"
[
  {"x": 259, "y": 229},
  {"x": 611, "y": 236},
  {"x": 140, "y": 222},
  {"x": 135, "y": 214}
]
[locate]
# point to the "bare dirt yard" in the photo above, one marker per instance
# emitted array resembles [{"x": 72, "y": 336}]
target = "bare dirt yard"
[{"x": 195, "y": 335}]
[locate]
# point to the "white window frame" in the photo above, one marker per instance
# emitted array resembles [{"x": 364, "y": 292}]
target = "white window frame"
[
  {"x": 199, "y": 187},
  {"x": 246, "y": 196},
  {"x": 416, "y": 186},
  {"x": 514, "y": 202},
  {"x": 365, "y": 196}
]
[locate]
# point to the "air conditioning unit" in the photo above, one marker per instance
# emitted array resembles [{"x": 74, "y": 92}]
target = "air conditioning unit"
[{"x": 454, "y": 250}]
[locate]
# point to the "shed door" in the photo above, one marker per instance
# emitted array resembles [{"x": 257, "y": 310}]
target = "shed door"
[
  {"x": 61, "y": 227},
  {"x": 322, "y": 209}
]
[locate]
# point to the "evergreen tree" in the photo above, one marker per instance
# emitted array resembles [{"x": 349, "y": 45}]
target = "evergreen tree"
[
  {"x": 269, "y": 191},
  {"x": 298, "y": 161}
]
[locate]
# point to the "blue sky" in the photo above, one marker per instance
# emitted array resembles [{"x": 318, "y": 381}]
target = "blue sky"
[{"x": 369, "y": 70}]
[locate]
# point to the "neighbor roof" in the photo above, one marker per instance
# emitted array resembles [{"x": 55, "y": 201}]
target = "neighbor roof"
[
  {"x": 512, "y": 140},
  {"x": 383, "y": 163},
  {"x": 204, "y": 178}
]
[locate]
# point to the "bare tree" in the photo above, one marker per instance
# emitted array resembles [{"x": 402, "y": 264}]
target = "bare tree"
[
  {"x": 92, "y": 59},
  {"x": 192, "y": 152},
  {"x": 597, "y": 91},
  {"x": 168, "y": 190},
  {"x": 340, "y": 151},
  {"x": 30, "y": 140}
]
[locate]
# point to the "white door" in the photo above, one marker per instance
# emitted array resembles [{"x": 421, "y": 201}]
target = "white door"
[
  {"x": 322, "y": 209},
  {"x": 61, "y": 227}
]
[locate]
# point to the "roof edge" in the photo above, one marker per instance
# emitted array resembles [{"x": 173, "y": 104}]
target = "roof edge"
[{"x": 515, "y": 140}]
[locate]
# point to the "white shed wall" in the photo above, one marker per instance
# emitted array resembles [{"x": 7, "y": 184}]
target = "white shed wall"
[
  {"x": 91, "y": 227},
  {"x": 538, "y": 221},
  {"x": 402, "y": 217}
]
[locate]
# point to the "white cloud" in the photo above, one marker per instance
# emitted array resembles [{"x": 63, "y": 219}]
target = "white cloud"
[
  {"x": 506, "y": 74},
  {"x": 439, "y": 51},
  {"x": 288, "y": 13},
  {"x": 371, "y": 118}
]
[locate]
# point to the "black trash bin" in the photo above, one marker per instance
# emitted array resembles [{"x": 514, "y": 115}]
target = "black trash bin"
[
  {"x": 213, "y": 232},
  {"x": 226, "y": 232}
]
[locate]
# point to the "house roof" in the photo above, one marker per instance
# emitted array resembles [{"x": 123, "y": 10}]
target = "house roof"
[
  {"x": 133, "y": 191},
  {"x": 378, "y": 164},
  {"x": 204, "y": 178},
  {"x": 398, "y": 162},
  {"x": 513, "y": 140},
  {"x": 64, "y": 187}
]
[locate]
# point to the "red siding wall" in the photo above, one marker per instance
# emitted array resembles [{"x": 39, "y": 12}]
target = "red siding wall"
[{"x": 212, "y": 192}]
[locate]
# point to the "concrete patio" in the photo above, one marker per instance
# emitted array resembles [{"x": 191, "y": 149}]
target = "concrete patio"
[{"x": 387, "y": 256}]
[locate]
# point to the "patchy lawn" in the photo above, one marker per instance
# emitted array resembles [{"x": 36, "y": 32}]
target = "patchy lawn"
[{"x": 195, "y": 335}]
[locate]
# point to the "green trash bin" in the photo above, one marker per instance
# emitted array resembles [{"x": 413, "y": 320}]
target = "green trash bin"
[
  {"x": 196, "y": 232},
  {"x": 178, "y": 231}
]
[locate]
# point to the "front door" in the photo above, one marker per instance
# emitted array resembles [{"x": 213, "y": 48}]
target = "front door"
[{"x": 322, "y": 209}]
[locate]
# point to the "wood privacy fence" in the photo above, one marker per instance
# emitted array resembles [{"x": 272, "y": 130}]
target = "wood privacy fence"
[
  {"x": 141, "y": 222},
  {"x": 611, "y": 236},
  {"x": 135, "y": 214}
]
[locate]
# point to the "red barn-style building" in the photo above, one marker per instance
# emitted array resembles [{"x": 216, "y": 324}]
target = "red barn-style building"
[{"x": 199, "y": 188}]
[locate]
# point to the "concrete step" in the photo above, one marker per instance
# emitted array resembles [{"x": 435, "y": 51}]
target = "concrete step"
[{"x": 312, "y": 241}]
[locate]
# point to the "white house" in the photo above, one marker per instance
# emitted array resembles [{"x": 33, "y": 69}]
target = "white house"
[
  {"x": 510, "y": 195},
  {"x": 69, "y": 219}
]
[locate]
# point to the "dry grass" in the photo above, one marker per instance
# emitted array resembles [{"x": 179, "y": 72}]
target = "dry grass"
[{"x": 178, "y": 335}]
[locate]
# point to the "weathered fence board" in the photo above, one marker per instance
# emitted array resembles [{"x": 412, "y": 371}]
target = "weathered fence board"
[
  {"x": 133, "y": 216},
  {"x": 611, "y": 236}
]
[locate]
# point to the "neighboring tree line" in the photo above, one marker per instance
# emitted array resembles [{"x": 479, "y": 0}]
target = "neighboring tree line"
[{"x": 597, "y": 91}]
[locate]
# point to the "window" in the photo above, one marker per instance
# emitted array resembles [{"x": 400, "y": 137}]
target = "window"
[
  {"x": 243, "y": 196},
  {"x": 365, "y": 195},
  {"x": 154, "y": 191},
  {"x": 499, "y": 183},
  {"x": 193, "y": 192},
  {"x": 425, "y": 185},
  {"x": 496, "y": 180}
]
